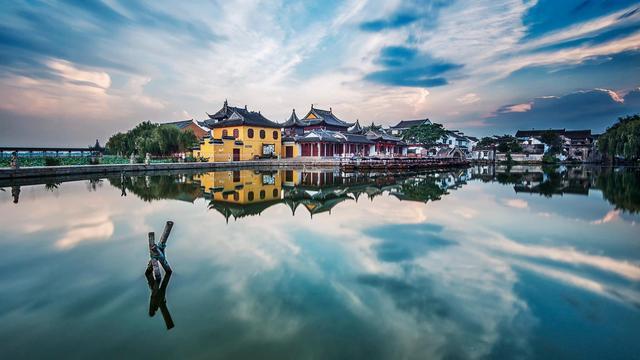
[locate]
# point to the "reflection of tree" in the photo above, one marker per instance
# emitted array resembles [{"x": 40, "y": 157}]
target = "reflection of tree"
[
  {"x": 552, "y": 184},
  {"x": 621, "y": 188},
  {"x": 149, "y": 188},
  {"x": 420, "y": 189},
  {"x": 509, "y": 178},
  {"x": 50, "y": 186}
]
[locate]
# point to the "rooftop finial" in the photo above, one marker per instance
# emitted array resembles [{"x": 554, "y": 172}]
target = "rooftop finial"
[
  {"x": 294, "y": 110},
  {"x": 311, "y": 106},
  {"x": 330, "y": 110},
  {"x": 245, "y": 107},
  {"x": 225, "y": 106}
]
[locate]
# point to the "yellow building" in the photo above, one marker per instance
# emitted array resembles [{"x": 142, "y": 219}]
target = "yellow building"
[{"x": 238, "y": 134}]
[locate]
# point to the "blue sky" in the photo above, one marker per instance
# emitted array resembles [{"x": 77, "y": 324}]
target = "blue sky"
[{"x": 73, "y": 71}]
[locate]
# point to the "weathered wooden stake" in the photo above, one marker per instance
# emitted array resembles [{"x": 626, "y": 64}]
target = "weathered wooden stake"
[
  {"x": 165, "y": 235},
  {"x": 153, "y": 253},
  {"x": 163, "y": 244}
]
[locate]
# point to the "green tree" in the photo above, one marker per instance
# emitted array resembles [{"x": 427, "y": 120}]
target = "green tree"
[
  {"x": 151, "y": 138},
  {"x": 552, "y": 140},
  {"x": 372, "y": 127},
  {"x": 425, "y": 134},
  {"x": 622, "y": 139},
  {"x": 509, "y": 144},
  {"x": 486, "y": 141}
]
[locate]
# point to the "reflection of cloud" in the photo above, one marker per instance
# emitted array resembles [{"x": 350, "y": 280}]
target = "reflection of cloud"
[
  {"x": 465, "y": 212},
  {"x": 623, "y": 294},
  {"x": 609, "y": 217},
  {"x": 568, "y": 255},
  {"x": 96, "y": 229},
  {"x": 517, "y": 203}
]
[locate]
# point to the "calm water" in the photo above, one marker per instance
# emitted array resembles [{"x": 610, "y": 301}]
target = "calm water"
[{"x": 478, "y": 263}]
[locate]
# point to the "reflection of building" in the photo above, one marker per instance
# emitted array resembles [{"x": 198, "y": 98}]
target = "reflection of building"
[
  {"x": 241, "y": 193},
  {"x": 239, "y": 134}
]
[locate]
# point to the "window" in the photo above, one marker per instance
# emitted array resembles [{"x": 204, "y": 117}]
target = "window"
[
  {"x": 268, "y": 179},
  {"x": 250, "y": 133},
  {"x": 275, "y": 135},
  {"x": 236, "y": 176},
  {"x": 236, "y": 133},
  {"x": 262, "y": 194},
  {"x": 250, "y": 196},
  {"x": 262, "y": 134},
  {"x": 275, "y": 193},
  {"x": 225, "y": 132},
  {"x": 236, "y": 196},
  {"x": 268, "y": 149}
]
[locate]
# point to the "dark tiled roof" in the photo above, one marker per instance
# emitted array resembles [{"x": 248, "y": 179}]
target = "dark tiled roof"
[
  {"x": 577, "y": 134},
  {"x": 355, "y": 128},
  {"x": 294, "y": 121},
  {"x": 332, "y": 137},
  {"x": 406, "y": 124},
  {"x": 239, "y": 116},
  {"x": 381, "y": 135},
  {"x": 179, "y": 124},
  {"x": 324, "y": 116},
  {"x": 358, "y": 139},
  {"x": 534, "y": 133},
  {"x": 571, "y": 134}
]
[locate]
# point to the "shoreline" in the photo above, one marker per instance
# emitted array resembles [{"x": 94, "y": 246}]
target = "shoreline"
[{"x": 66, "y": 170}]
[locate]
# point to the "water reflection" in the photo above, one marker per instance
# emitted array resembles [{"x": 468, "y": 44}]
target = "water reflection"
[
  {"x": 242, "y": 193},
  {"x": 487, "y": 262},
  {"x": 620, "y": 186}
]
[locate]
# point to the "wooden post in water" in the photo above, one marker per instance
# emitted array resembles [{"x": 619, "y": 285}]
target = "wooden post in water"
[
  {"x": 163, "y": 244},
  {"x": 153, "y": 254}
]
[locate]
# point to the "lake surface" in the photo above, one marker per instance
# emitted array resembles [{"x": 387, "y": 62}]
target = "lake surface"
[{"x": 479, "y": 263}]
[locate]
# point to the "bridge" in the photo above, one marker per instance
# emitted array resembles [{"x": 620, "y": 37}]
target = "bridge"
[{"x": 32, "y": 151}]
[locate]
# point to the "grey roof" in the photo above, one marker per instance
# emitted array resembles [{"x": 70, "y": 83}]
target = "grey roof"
[
  {"x": 293, "y": 121},
  {"x": 235, "y": 116},
  {"x": 533, "y": 133},
  {"x": 406, "y": 124},
  {"x": 324, "y": 116},
  {"x": 320, "y": 135},
  {"x": 571, "y": 134},
  {"x": 355, "y": 128},
  {"x": 381, "y": 135},
  {"x": 179, "y": 124},
  {"x": 358, "y": 138}
]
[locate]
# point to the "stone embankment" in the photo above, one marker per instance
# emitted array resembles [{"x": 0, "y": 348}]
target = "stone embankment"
[{"x": 345, "y": 164}]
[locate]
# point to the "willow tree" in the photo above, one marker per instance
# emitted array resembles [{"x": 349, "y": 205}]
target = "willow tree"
[{"x": 622, "y": 139}]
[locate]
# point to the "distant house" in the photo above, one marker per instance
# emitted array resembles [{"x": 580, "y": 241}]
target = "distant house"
[
  {"x": 455, "y": 138},
  {"x": 404, "y": 125},
  {"x": 576, "y": 144},
  {"x": 185, "y": 125}
]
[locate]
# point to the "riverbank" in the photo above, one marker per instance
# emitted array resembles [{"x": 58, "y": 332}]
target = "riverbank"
[{"x": 347, "y": 164}]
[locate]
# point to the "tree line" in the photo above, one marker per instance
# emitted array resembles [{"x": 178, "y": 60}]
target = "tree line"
[
  {"x": 622, "y": 140},
  {"x": 155, "y": 139}
]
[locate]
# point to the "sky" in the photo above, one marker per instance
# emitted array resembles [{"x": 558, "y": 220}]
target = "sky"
[{"x": 74, "y": 71}]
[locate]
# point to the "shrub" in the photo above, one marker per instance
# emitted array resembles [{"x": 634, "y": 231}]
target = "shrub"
[{"x": 51, "y": 161}]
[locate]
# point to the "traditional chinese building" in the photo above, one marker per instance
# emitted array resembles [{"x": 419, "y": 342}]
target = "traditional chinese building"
[
  {"x": 322, "y": 134},
  {"x": 239, "y": 134}
]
